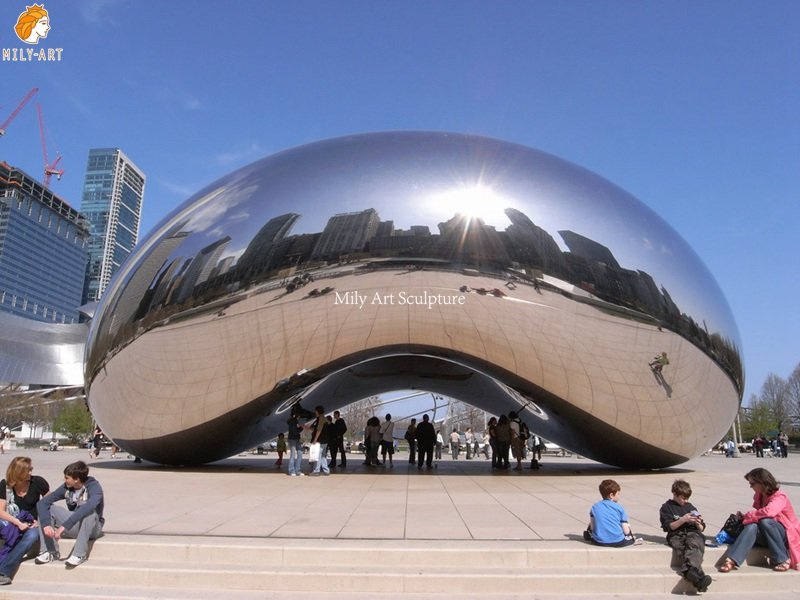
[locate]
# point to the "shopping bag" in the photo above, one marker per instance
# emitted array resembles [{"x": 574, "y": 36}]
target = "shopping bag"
[{"x": 313, "y": 452}]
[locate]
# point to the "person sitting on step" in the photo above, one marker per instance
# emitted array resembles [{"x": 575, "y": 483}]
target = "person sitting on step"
[
  {"x": 608, "y": 521},
  {"x": 82, "y": 518},
  {"x": 684, "y": 527}
]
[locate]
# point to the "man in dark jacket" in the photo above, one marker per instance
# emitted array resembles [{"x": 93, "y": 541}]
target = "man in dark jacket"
[
  {"x": 426, "y": 440},
  {"x": 337, "y": 439},
  {"x": 82, "y": 518}
]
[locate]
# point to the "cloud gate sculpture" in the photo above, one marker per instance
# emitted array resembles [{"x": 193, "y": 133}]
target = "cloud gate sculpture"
[{"x": 461, "y": 265}]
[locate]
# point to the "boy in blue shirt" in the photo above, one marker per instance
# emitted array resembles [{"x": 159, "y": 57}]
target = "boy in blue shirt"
[{"x": 608, "y": 521}]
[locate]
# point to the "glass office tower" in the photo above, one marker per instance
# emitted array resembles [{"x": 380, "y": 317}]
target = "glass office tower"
[
  {"x": 113, "y": 191},
  {"x": 43, "y": 250}
]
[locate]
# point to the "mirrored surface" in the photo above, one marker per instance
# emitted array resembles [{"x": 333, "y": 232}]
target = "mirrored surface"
[{"x": 471, "y": 267}]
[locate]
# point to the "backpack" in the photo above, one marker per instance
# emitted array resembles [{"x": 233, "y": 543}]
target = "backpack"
[{"x": 524, "y": 432}]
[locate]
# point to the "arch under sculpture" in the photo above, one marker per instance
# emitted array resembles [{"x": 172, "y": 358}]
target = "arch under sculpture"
[{"x": 465, "y": 266}]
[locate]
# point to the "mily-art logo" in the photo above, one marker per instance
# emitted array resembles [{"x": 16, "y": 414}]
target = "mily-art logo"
[{"x": 32, "y": 25}]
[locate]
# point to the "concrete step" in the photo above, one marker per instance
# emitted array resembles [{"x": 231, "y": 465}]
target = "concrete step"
[
  {"x": 37, "y": 591},
  {"x": 433, "y": 579},
  {"x": 139, "y": 566},
  {"x": 377, "y": 553}
]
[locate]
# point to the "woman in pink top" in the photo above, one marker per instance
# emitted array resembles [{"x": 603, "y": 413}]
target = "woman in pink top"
[{"x": 773, "y": 524}]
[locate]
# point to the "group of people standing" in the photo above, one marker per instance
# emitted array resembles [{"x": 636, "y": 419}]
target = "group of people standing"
[
  {"x": 511, "y": 433},
  {"x": 505, "y": 435},
  {"x": 777, "y": 446},
  {"x": 327, "y": 432}
]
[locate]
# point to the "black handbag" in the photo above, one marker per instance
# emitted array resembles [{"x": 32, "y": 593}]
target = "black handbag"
[{"x": 733, "y": 526}]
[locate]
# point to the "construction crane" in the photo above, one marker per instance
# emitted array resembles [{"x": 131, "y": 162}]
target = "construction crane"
[
  {"x": 49, "y": 167},
  {"x": 14, "y": 114}
]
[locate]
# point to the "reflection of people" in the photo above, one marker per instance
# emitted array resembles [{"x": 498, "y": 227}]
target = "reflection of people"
[
  {"x": 684, "y": 527},
  {"x": 608, "y": 521},
  {"x": 19, "y": 493},
  {"x": 659, "y": 362},
  {"x": 33, "y": 24},
  {"x": 773, "y": 524}
]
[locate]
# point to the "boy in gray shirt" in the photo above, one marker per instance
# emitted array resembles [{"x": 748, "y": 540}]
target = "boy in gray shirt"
[{"x": 82, "y": 518}]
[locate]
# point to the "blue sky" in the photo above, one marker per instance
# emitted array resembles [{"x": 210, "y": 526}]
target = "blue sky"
[{"x": 691, "y": 107}]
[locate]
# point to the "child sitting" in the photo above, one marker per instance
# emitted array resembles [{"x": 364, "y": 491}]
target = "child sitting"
[
  {"x": 684, "y": 527},
  {"x": 608, "y": 521}
]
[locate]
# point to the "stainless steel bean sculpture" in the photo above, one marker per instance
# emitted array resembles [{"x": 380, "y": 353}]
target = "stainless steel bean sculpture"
[{"x": 465, "y": 266}]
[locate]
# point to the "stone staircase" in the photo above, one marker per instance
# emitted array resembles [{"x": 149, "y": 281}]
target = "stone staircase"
[{"x": 144, "y": 566}]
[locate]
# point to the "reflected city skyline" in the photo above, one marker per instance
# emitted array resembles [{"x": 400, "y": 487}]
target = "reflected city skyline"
[{"x": 523, "y": 253}]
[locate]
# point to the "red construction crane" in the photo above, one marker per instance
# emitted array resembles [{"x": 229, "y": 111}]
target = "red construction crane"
[
  {"x": 14, "y": 114},
  {"x": 49, "y": 167}
]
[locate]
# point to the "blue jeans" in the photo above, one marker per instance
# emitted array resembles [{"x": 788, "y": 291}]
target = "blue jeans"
[
  {"x": 295, "y": 456},
  {"x": 766, "y": 532},
  {"x": 322, "y": 463},
  {"x": 11, "y": 562}
]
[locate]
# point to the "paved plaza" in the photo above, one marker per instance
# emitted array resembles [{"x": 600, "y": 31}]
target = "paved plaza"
[
  {"x": 246, "y": 496},
  {"x": 241, "y": 528}
]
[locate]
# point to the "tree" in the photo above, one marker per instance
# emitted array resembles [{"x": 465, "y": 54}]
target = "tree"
[
  {"x": 774, "y": 394},
  {"x": 74, "y": 421},
  {"x": 756, "y": 420},
  {"x": 356, "y": 416},
  {"x": 11, "y": 413},
  {"x": 464, "y": 415}
]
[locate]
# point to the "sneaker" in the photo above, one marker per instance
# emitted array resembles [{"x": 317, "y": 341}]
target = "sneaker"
[
  {"x": 5, "y": 580},
  {"x": 301, "y": 474},
  {"x": 46, "y": 557},
  {"x": 292, "y": 474},
  {"x": 73, "y": 561}
]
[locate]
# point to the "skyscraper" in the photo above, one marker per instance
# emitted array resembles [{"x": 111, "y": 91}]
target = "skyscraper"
[
  {"x": 347, "y": 232},
  {"x": 43, "y": 243},
  {"x": 113, "y": 191}
]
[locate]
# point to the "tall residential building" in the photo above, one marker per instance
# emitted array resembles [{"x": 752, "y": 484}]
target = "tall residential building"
[
  {"x": 113, "y": 191},
  {"x": 43, "y": 250}
]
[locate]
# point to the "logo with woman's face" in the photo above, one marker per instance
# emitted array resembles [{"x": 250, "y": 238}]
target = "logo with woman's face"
[{"x": 33, "y": 24}]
